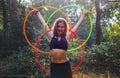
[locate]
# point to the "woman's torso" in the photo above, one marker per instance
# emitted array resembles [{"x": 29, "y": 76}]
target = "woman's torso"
[{"x": 58, "y": 48}]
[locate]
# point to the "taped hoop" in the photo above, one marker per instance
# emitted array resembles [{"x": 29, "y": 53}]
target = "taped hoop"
[
  {"x": 24, "y": 25},
  {"x": 90, "y": 19},
  {"x": 43, "y": 68}
]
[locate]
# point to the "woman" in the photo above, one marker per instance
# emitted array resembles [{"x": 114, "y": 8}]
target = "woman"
[{"x": 59, "y": 37}]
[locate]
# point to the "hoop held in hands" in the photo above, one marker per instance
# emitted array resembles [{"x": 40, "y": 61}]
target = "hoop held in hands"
[
  {"x": 24, "y": 25},
  {"x": 47, "y": 71}
]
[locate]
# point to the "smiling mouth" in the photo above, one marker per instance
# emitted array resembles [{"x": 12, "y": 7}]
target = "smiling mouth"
[{"x": 60, "y": 32}]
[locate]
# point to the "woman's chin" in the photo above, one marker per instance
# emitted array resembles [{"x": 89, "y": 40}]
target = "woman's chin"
[{"x": 60, "y": 33}]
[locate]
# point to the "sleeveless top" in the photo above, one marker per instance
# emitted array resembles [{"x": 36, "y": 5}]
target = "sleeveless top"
[{"x": 59, "y": 44}]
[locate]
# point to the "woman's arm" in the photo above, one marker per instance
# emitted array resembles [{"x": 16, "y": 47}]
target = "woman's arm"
[
  {"x": 41, "y": 19},
  {"x": 76, "y": 27}
]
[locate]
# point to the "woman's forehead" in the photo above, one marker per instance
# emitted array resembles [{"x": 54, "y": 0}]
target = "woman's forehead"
[{"x": 60, "y": 23}]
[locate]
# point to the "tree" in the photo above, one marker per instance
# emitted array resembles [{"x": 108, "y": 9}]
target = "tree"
[
  {"x": 5, "y": 19},
  {"x": 98, "y": 26}
]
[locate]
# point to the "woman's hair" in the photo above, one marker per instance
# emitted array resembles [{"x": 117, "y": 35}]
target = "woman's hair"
[{"x": 55, "y": 26}]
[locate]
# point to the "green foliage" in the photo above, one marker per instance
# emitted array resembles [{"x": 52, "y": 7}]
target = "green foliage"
[
  {"x": 17, "y": 58},
  {"x": 1, "y": 21},
  {"x": 22, "y": 62},
  {"x": 110, "y": 13},
  {"x": 114, "y": 31},
  {"x": 107, "y": 54}
]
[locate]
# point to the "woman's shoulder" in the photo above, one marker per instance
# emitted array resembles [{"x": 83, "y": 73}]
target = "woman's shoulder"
[
  {"x": 68, "y": 36},
  {"x": 68, "y": 33},
  {"x": 50, "y": 34}
]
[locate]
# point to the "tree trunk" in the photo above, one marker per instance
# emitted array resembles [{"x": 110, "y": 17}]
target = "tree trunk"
[
  {"x": 98, "y": 26},
  {"x": 5, "y": 16}
]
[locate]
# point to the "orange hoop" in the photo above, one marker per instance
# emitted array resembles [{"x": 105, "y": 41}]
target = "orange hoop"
[{"x": 24, "y": 25}]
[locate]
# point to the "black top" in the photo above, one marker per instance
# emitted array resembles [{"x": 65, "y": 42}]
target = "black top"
[{"x": 59, "y": 44}]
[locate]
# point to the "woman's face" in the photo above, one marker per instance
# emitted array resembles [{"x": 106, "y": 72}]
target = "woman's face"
[{"x": 60, "y": 28}]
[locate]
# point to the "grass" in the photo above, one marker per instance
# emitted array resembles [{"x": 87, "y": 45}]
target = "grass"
[{"x": 91, "y": 75}]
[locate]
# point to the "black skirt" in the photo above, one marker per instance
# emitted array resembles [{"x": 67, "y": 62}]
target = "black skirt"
[{"x": 60, "y": 70}]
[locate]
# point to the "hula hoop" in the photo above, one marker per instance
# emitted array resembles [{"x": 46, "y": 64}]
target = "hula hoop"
[
  {"x": 43, "y": 68},
  {"x": 24, "y": 25},
  {"x": 90, "y": 19}
]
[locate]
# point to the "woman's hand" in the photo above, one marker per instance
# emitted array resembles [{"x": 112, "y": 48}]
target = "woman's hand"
[
  {"x": 87, "y": 12},
  {"x": 33, "y": 9}
]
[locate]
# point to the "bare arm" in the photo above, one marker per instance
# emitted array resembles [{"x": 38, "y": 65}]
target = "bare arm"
[
  {"x": 41, "y": 19},
  {"x": 79, "y": 22}
]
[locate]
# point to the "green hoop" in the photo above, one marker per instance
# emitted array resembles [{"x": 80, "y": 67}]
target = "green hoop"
[{"x": 90, "y": 19}]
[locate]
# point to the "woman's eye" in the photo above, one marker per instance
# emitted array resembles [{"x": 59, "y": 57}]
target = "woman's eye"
[{"x": 60, "y": 26}]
